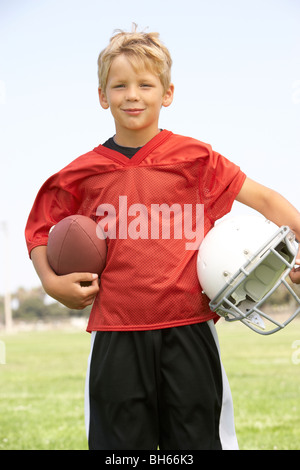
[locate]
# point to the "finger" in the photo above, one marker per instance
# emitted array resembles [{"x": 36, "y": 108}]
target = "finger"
[
  {"x": 89, "y": 293},
  {"x": 91, "y": 288},
  {"x": 295, "y": 275},
  {"x": 84, "y": 277},
  {"x": 79, "y": 305},
  {"x": 87, "y": 303}
]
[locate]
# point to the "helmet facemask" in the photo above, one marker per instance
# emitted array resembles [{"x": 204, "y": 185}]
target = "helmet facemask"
[{"x": 247, "y": 294}]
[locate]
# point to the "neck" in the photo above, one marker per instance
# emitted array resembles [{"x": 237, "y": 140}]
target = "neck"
[{"x": 133, "y": 138}]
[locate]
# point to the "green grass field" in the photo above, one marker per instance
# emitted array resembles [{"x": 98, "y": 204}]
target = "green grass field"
[{"x": 42, "y": 388}]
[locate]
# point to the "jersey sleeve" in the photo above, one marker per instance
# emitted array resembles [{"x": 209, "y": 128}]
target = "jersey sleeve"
[
  {"x": 56, "y": 199},
  {"x": 67, "y": 192},
  {"x": 220, "y": 181}
]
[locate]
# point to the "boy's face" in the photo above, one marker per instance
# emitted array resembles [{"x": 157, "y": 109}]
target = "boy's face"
[{"x": 135, "y": 100}]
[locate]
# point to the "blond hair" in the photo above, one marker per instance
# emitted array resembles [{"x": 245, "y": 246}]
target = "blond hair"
[{"x": 143, "y": 50}]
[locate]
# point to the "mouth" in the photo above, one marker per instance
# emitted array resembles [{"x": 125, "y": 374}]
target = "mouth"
[{"x": 133, "y": 111}]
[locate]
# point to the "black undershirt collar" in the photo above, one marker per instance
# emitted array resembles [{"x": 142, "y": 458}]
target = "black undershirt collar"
[{"x": 129, "y": 152}]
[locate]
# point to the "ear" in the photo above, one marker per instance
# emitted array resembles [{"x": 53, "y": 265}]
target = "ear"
[
  {"x": 168, "y": 96},
  {"x": 102, "y": 98}
]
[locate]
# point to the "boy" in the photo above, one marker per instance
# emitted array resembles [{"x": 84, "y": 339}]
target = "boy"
[{"x": 154, "y": 376}]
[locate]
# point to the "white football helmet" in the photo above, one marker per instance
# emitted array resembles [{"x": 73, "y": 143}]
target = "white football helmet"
[{"x": 241, "y": 262}]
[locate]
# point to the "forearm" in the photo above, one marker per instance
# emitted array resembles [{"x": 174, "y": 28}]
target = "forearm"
[
  {"x": 282, "y": 212},
  {"x": 48, "y": 277},
  {"x": 40, "y": 262},
  {"x": 271, "y": 205},
  {"x": 75, "y": 290}
]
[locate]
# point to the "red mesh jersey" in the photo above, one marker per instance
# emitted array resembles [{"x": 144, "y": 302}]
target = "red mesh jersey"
[{"x": 150, "y": 279}]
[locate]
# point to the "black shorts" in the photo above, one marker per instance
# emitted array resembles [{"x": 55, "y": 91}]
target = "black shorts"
[{"x": 162, "y": 388}]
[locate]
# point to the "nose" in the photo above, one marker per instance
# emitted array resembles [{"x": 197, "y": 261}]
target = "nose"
[{"x": 132, "y": 93}]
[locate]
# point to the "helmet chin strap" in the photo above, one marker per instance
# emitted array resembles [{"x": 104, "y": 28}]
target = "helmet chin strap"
[{"x": 256, "y": 320}]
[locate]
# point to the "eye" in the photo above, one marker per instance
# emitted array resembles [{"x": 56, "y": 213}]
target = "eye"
[
  {"x": 119, "y": 86},
  {"x": 146, "y": 85}
]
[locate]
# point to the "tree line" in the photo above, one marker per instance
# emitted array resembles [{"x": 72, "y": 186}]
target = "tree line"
[{"x": 34, "y": 304}]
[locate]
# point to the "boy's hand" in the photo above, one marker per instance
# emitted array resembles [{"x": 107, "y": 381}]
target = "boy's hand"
[
  {"x": 295, "y": 272},
  {"x": 75, "y": 291}
]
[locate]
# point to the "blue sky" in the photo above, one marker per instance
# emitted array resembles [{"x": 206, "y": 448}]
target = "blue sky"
[{"x": 237, "y": 86}]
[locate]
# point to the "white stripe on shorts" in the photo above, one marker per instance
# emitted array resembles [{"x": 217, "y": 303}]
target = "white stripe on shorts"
[
  {"x": 87, "y": 388},
  {"x": 226, "y": 429}
]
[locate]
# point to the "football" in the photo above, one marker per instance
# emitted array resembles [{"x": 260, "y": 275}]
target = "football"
[{"x": 74, "y": 246}]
